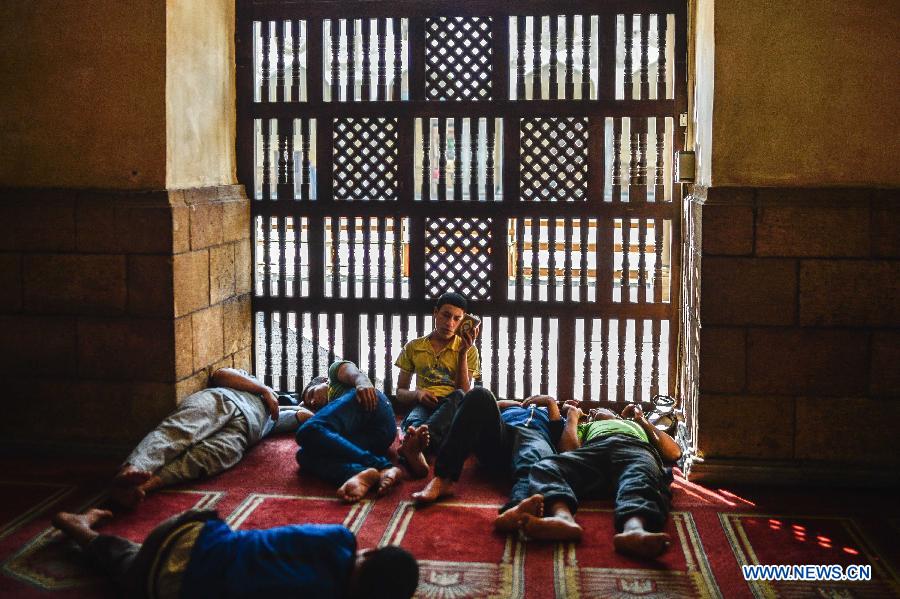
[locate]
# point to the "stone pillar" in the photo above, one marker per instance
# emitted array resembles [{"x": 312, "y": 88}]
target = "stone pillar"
[{"x": 125, "y": 259}]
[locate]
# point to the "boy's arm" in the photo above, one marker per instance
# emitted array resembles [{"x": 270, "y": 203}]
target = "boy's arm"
[
  {"x": 666, "y": 445},
  {"x": 411, "y": 397},
  {"x": 349, "y": 374},
  {"x": 507, "y": 403},
  {"x": 235, "y": 379},
  {"x": 463, "y": 376},
  {"x": 569, "y": 439}
]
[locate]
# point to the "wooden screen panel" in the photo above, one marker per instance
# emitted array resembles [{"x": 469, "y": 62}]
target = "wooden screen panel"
[{"x": 458, "y": 58}]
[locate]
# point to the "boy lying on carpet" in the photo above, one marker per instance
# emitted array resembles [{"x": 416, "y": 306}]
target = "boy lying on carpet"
[
  {"x": 347, "y": 440},
  {"x": 445, "y": 364},
  {"x": 506, "y": 435},
  {"x": 207, "y": 433},
  {"x": 195, "y": 554},
  {"x": 625, "y": 453}
]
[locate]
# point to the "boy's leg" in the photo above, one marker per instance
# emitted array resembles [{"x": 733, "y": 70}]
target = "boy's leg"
[
  {"x": 442, "y": 418},
  {"x": 417, "y": 416},
  {"x": 529, "y": 446},
  {"x": 374, "y": 430}
]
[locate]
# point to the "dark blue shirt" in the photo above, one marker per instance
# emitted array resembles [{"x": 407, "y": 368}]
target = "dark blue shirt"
[
  {"x": 310, "y": 560},
  {"x": 534, "y": 417}
]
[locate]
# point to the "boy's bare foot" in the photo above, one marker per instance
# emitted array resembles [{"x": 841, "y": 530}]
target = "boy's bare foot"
[
  {"x": 552, "y": 528},
  {"x": 411, "y": 449},
  {"x": 437, "y": 488},
  {"x": 356, "y": 487},
  {"x": 127, "y": 497},
  {"x": 387, "y": 479},
  {"x": 641, "y": 543},
  {"x": 80, "y": 527},
  {"x": 129, "y": 476},
  {"x": 513, "y": 518}
]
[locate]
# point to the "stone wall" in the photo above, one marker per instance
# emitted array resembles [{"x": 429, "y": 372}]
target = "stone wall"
[
  {"x": 114, "y": 305},
  {"x": 799, "y": 313}
]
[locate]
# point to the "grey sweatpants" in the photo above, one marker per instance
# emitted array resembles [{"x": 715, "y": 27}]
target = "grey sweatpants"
[{"x": 204, "y": 436}]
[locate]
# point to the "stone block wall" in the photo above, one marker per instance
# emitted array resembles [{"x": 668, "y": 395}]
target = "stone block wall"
[
  {"x": 800, "y": 309},
  {"x": 115, "y": 305}
]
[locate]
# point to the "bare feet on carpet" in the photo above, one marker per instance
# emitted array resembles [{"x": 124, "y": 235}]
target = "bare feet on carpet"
[
  {"x": 516, "y": 516},
  {"x": 412, "y": 447},
  {"x": 552, "y": 528},
  {"x": 356, "y": 487},
  {"x": 437, "y": 488},
  {"x": 80, "y": 527},
  {"x": 129, "y": 486},
  {"x": 641, "y": 543},
  {"x": 387, "y": 479}
]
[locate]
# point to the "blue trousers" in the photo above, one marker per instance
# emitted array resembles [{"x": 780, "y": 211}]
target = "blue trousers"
[{"x": 343, "y": 438}]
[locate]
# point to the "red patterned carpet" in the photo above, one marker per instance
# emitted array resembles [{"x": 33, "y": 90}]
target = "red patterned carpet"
[{"x": 715, "y": 531}]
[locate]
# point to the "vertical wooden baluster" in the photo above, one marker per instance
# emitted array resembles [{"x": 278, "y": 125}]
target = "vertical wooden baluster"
[
  {"x": 298, "y": 224},
  {"x": 266, "y": 33},
  {"x": 404, "y": 330},
  {"x": 545, "y": 354},
  {"x": 289, "y": 158},
  {"x": 305, "y": 167},
  {"x": 642, "y": 262},
  {"x": 314, "y": 339},
  {"x": 267, "y": 257},
  {"x": 457, "y": 159},
  {"x": 367, "y": 257},
  {"x": 537, "y": 30},
  {"x": 654, "y": 369},
  {"x": 281, "y": 191},
  {"x": 381, "y": 275},
  {"x": 495, "y": 355},
  {"x": 535, "y": 258},
  {"x": 617, "y": 160},
  {"x": 587, "y": 367},
  {"x": 625, "y": 278},
  {"x": 551, "y": 259},
  {"x": 295, "y": 61},
  {"x": 567, "y": 261},
  {"x": 638, "y": 359},
  {"x": 396, "y": 224},
  {"x": 661, "y": 26},
  {"x": 642, "y": 172},
  {"x": 426, "y": 159},
  {"x": 300, "y": 382},
  {"x": 335, "y": 65},
  {"x": 657, "y": 265},
  {"x": 645, "y": 59},
  {"x": 474, "y": 125},
  {"x": 282, "y": 379},
  {"x": 420, "y": 325},
  {"x": 629, "y": 76},
  {"x": 478, "y": 341},
  {"x": 279, "y": 64},
  {"x": 529, "y": 383},
  {"x": 659, "y": 190},
  {"x": 570, "y": 65},
  {"x": 604, "y": 359},
  {"x": 381, "y": 35},
  {"x": 371, "y": 321},
  {"x": 519, "y": 293},
  {"x": 267, "y": 159},
  {"x": 583, "y": 224},
  {"x": 554, "y": 59},
  {"x": 634, "y": 166},
  {"x": 489, "y": 164},
  {"x": 282, "y": 257},
  {"x": 396, "y": 27},
  {"x": 268, "y": 373},
  {"x": 586, "y": 69},
  {"x": 442, "y": 160},
  {"x": 335, "y": 258},
  {"x": 620, "y": 362},
  {"x": 351, "y": 257},
  {"x": 366, "y": 71},
  {"x": 511, "y": 356},
  {"x": 388, "y": 353},
  {"x": 351, "y": 60},
  {"x": 520, "y": 57}
]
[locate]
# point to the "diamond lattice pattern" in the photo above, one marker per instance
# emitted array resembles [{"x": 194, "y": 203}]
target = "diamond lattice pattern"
[
  {"x": 554, "y": 159},
  {"x": 457, "y": 257},
  {"x": 365, "y": 159},
  {"x": 458, "y": 58}
]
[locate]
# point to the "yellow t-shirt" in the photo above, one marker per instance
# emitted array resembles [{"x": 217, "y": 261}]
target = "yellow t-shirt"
[{"x": 436, "y": 372}]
